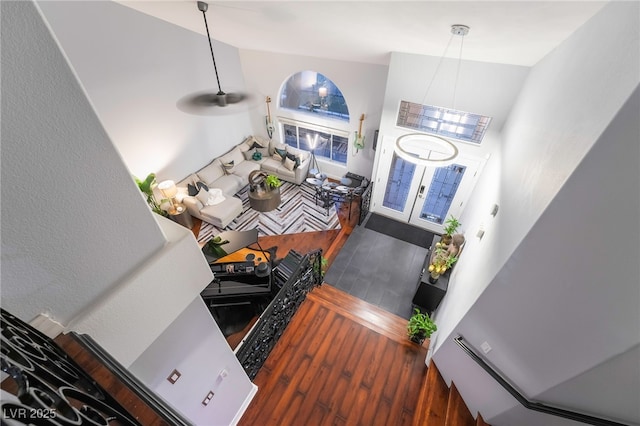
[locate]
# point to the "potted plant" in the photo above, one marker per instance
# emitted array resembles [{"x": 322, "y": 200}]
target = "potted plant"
[
  {"x": 451, "y": 226},
  {"x": 146, "y": 187},
  {"x": 420, "y": 327},
  {"x": 441, "y": 261},
  {"x": 272, "y": 182}
]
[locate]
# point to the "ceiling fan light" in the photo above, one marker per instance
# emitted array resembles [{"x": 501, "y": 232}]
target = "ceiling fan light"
[{"x": 221, "y": 98}]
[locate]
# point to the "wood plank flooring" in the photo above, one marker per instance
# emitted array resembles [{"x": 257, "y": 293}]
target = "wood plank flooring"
[{"x": 340, "y": 361}]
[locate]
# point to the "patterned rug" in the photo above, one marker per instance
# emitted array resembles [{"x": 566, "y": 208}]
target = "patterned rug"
[{"x": 297, "y": 213}]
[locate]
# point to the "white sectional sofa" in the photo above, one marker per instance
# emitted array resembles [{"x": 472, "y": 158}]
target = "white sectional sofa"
[{"x": 214, "y": 202}]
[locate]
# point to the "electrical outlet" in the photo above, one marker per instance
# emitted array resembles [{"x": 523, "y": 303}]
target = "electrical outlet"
[{"x": 486, "y": 348}]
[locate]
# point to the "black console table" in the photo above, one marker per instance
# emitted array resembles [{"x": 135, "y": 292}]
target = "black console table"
[{"x": 428, "y": 296}]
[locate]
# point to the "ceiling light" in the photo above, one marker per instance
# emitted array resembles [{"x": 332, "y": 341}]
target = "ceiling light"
[{"x": 431, "y": 150}]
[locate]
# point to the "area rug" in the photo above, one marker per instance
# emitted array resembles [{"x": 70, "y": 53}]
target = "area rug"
[
  {"x": 297, "y": 213},
  {"x": 402, "y": 231}
]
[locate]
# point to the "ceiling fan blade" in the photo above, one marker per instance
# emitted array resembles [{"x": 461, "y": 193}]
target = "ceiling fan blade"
[
  {"x": 205, "y": 100},
  {"x": 208, "y": 103}
]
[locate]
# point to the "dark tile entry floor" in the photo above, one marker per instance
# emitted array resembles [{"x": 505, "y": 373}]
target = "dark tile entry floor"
[{"x": 379, "y": 269}]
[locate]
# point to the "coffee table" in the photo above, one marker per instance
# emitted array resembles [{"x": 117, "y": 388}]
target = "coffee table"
[{"x": 264, "y": 201}]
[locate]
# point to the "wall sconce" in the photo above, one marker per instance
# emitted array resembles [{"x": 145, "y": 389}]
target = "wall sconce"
[
  {"x": 169, "y": 190},
  {"x": 322, "y": 92}
]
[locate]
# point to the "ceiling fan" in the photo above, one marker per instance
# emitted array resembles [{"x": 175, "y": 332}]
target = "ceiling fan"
[{"x": 210, "y": 99}]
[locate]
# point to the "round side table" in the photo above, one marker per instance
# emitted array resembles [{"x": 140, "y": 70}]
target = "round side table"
[{"x": 181, "y": 215}]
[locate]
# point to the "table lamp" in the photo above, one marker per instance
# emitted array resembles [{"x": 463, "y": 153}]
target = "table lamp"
[{"x": 169, "y": 190}]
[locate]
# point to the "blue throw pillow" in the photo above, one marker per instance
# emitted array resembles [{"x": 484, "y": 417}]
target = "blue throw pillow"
[{"x": 282, "y": 152}]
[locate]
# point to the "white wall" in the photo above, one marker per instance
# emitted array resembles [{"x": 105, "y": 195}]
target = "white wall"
[
  {"x": 564, "y": 244},
  {"x": 482, "y": 88},
  {"x": 78, "y": 240},
  {"x": 73, "y": 221},
  {"x": 192, "y": 345},
  {"x": 361, "y": 84},
  {"x": 135, "y": 68}
]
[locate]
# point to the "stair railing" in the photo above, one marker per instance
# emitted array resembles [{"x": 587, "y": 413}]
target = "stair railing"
[{"x": 531, "y": 405}]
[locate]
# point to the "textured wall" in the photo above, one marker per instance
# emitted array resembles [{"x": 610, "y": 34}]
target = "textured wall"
[
  {"x": 564, "y": 299},
  {"x": 73, "y": 220}
]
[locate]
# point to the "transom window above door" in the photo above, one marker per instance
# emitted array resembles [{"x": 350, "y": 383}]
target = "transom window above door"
[
  {"x": 464, "y": 126},
  {"x": 312, "y": 92}
]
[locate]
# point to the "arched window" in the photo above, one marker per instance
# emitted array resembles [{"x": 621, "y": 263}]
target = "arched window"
[{"x": 312, "y": 92}]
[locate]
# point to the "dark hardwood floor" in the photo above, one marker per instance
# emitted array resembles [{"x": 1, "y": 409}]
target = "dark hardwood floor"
[{"x": 341, "y": 361}]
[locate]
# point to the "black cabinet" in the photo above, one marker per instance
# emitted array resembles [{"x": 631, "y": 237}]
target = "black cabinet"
[{"x": 428, "y": 296}]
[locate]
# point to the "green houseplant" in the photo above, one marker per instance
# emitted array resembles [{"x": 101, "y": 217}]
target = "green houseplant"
[
  {"x": 420, "y": 327},
  {"x": 451, "y": 226},
  {"x": 272, "y": 182},
  {"x": 146, "y": 187}
]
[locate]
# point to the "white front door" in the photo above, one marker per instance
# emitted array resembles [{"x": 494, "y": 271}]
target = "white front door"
[{"x": 422, "y": 196}]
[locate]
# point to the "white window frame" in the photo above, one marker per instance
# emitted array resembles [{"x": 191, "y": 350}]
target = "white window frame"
[{"x": 318, "y": 128}]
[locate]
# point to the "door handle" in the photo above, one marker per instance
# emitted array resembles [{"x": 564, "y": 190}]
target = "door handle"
[{"x": 421, "y": 192}]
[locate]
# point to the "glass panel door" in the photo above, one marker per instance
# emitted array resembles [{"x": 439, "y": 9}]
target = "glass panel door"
[
  {"x": 439, "y": 196},
  {"x": 397, "y": 185},
  {"x": 443, "y": 194},
  {"x": 422, "y": 196}
]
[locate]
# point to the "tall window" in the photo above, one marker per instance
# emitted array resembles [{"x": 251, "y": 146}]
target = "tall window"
[
  {"x": 325, "y": 142},
  {"x": 452, "y": 123},
  {"x": 314, "y": 93}
]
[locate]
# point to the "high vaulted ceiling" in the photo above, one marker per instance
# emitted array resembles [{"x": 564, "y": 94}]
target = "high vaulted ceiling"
[{"x": 509, "y": 32}]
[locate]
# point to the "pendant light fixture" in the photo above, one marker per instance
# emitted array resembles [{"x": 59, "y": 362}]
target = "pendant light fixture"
[{"x": 432, "y": 150}]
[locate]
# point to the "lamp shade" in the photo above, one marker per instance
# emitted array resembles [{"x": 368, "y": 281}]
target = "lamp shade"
[{"x": 168, "y": 188}]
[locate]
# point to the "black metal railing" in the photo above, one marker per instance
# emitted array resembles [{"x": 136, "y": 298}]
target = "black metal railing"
[
  {"x": 531, "y": 405},
  {"x": 295, "y": 275}
]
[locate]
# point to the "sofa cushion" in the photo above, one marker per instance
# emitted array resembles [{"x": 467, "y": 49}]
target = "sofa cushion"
[
  {"x": 270, "y": 165},
  {"x": 211, "y": 173},
  {"x": 203, "y": 196},
  {"x": 303, "y": 155},
  {"x": 264, "y": 151},
  {"x": 234, "y": 155},
  {"x": 223, "y": 213},
  {"x": 289, "y": 163},
  {"x": 230, "y": 184},
  {"x": 245, "y": 168}
]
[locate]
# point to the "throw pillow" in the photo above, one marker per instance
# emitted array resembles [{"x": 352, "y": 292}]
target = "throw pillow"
[
  {"x": 295, "y": 159},
  {"x": 248, "y": 155},
  {"x": 228, "y": 167},
  {"x": 203, "y": 196},
  {"x": 257, "y": 155},
  {"x": 264, "y": 152},
  {"x": 276, "y": 156},
  {"x": 289, "y": 163},
  {"x": 194, "y": 189},
  {"x": 281, "y": 152}
]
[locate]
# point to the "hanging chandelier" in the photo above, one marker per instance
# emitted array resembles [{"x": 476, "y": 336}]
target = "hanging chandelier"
[{"x": 432, "y": 150}]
